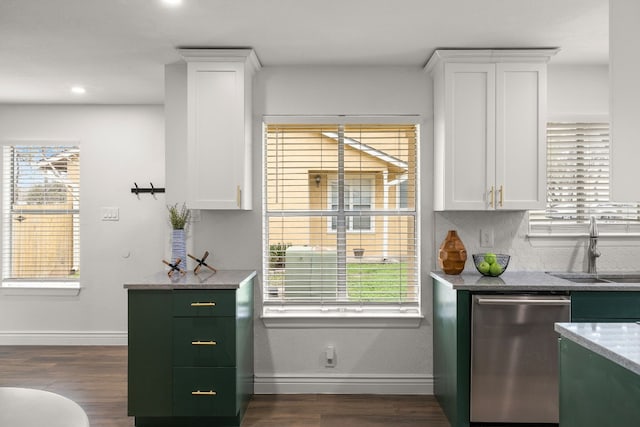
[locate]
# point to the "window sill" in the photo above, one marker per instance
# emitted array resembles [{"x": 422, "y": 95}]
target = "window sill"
[
  {"x": 570, "y": 239},
  {"x": 40, "y": 288},
  {"x": 334, "y": 320}
]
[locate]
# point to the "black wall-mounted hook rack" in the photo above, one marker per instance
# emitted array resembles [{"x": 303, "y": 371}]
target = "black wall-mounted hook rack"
[{"x": 153, "y": 190}]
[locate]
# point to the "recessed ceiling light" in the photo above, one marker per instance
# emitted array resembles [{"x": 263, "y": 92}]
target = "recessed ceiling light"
[
  {"x": 172, "y": 2},
  {"x": 78, "y": 90}
]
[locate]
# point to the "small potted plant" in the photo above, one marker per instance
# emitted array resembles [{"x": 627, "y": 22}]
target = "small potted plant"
[{"x": 179, "y": 217}]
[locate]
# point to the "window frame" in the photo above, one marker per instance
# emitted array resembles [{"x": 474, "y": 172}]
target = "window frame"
[
  {"x": 49, "y": 286},
  {"x": 302, "y": 316}
]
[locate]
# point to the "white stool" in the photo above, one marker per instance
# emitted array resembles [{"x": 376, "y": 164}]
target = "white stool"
[{"x": 25, "y": 407}]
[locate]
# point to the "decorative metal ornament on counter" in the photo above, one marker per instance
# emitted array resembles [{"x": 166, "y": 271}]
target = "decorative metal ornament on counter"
[
  {"x": 175, "y": 267},
  {"x": 201, "y": 262}
]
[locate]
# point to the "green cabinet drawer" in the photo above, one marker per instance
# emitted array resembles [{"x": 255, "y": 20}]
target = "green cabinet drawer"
[
  {"x": 204, "y": 341},
  {"x": 204, "y": 392},
  {"x": 204, "y": 303},
  {"x": 600, "y": 306}
]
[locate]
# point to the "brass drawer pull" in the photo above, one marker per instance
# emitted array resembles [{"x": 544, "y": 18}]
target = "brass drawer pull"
[
  {"x": 203, "y": 393},
  {"x": 203, "y": 304},
  {"x": 203, "y": 343},
  {"x": 491, "y": 195}
]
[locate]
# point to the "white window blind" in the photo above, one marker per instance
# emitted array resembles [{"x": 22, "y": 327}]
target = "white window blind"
[
  {"x": 340, "y": 220},
  {"x": 40, "y": 213},
  {"x": 578, "y": 174}
]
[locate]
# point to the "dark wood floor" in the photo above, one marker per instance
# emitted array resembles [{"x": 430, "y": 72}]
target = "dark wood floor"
[{"x": 96, "y": 378}]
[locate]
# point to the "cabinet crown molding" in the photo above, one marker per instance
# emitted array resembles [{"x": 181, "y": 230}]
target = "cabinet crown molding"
[
  {"x": 489, "y": 56},
  {"x": 247, "y": 56}
]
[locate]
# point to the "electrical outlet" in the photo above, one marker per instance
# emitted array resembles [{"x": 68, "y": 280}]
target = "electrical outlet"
[
  {"x": 330, "y": 356},
  {"x": 486, "y": 238}
]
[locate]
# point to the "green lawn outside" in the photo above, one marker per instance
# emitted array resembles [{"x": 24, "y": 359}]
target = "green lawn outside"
[{"x": 376, "y": 282}]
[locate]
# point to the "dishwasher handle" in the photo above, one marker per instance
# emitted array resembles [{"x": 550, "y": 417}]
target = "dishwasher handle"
[{"x": 520, "y": 301}]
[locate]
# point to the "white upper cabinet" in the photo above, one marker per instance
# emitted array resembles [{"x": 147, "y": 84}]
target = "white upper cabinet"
[
  {"x": 624, "y": 69},
  {"x": 208, "y": 112},
  {"x": 489, "y": 128}
]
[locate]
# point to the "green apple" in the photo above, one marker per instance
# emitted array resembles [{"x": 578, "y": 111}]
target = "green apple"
[
  {"x": 490, "y": 258},
  {"x": 484, "y": 267},
  {"x": 495, "y": 269}
]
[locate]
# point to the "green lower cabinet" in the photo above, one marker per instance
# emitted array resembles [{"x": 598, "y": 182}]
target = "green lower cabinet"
[
  {"x": 190, "y": 356},
  {"x": 605, "y": 306},
  {"x": 451, "y": 351},
  {"x": 594, "y": 391},
  {"x": 150, "y": 348}
]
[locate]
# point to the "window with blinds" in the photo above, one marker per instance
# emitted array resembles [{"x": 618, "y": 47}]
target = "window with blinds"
[
  {"x": 340, "y": 219},
  {"x": 578, "y": 184},
  {"x": 40, "y": 213}
]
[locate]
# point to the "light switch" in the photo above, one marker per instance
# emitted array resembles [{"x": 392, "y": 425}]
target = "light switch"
[
  {"x": 486, "y": 238},
  {"x": 110, "y": 214}
]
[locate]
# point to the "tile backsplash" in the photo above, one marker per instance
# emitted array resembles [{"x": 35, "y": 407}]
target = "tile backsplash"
[{"x": 546, "y": 254}]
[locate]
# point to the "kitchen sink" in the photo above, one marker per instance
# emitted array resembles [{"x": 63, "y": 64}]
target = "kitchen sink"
[
  {"x": 585, "y": 280},
  {"x": 632, "y": 278},
  {"x": 598, "y": 278}
]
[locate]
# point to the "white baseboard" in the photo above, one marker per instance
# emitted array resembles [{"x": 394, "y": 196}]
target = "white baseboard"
[
  {"x": 343, "y": 384},
  {"x": 63, "y": 338}
]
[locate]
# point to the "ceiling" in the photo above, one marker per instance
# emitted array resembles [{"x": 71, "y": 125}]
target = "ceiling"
[{"x": 117, "y": 48}]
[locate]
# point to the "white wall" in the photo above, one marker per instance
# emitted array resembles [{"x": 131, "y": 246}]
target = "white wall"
[
  {"x": 368, "y": 359},
  {"x": 119, "y": 145},
  {"x": 578, "y": 92}
]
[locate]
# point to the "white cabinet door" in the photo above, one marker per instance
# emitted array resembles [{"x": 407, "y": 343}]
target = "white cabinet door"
[
  {"x": 208, "y": 131},
  {"x": 624, "y": 69},
  {"x": 216, "y": 135},
  {"x": 469, "y": 135},
  {"x": 520, "y": 136}
]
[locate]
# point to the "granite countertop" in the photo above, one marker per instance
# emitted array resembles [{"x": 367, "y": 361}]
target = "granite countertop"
[
  {"x": 525, "y": 281},
  {"x": 222, "y": 279},
  {"x": 618, "y": 342}
]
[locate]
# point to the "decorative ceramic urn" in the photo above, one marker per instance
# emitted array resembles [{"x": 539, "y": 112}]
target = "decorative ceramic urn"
[{"x": 452, "y": 254}]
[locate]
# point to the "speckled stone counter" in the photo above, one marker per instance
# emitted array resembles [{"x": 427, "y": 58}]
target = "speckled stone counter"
[
  {"x": 525, "y": 281},
  {"x": 222, "y": 279},
  {"x": 618, "y": 342}
]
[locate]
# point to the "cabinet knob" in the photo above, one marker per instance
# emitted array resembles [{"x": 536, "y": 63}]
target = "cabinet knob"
[
  {"x": 501, "y": 195},
  {"x": 491, "y": 201},
  {"x": 239, "y": 196}
]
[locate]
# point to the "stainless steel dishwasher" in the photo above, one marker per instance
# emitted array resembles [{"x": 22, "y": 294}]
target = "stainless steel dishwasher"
[{"x": 514, "y": 357}]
